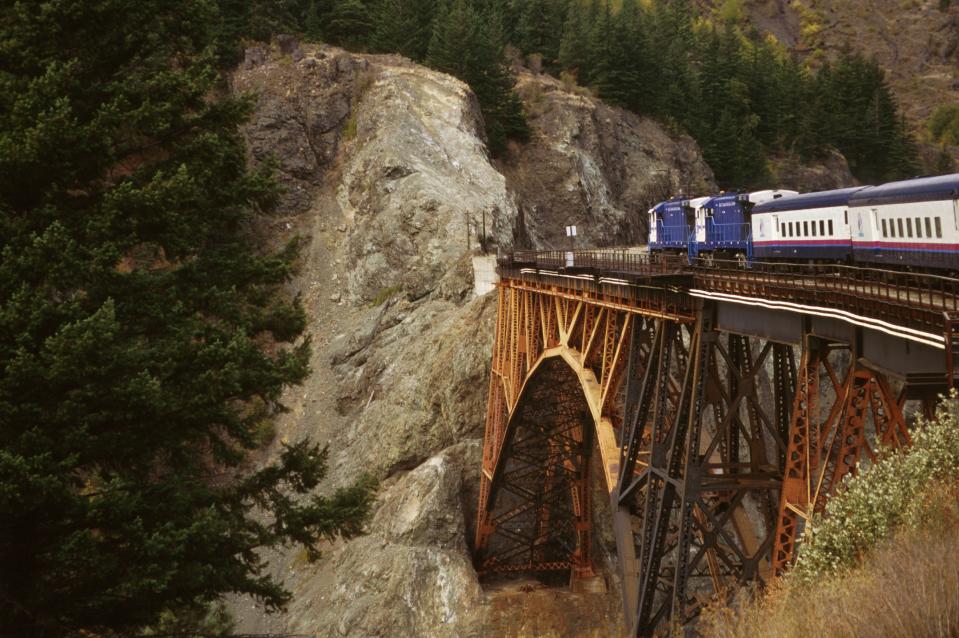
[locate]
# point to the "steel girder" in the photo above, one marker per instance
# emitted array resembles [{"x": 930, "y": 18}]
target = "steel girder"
[
  {"x": 842, "y": 414},
  {"x": 700, "y": 475},
  {"x": 540, "y": 494}
]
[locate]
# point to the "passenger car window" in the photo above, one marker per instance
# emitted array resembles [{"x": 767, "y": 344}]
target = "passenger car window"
[
  {"x": 938, "y": 228},
  {"x": 918, "y": 227},
  {"x": 884, "y": 233},
  {"x": 909, "y": 226},
  {"x": 899, "y": 227},
  {"x": 822, "y": 227},
  {"x": 928, "y": 228},
  {"x": 830, "y": 227}
]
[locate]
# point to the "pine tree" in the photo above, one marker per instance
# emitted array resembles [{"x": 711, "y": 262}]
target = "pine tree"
[
  {"x": 468, "y": 44},
  {"x": 600, "y": 52},
  {"x": 618, "y": 79},
  {"x": 404, "y": 27},
  {"x": 349, "y": 24},
  {"x": 944, "y": 162},
  {"x": 539, "y": 27},
  {"x": 574, "y": 45},
  {"x": 144, "y": 336}
]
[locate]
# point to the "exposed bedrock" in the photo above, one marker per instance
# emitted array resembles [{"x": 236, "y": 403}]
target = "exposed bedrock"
[{"x": 389, "y": 186}]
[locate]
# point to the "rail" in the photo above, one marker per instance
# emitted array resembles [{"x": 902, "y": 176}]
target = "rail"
[{"x": 916, "y": 299}]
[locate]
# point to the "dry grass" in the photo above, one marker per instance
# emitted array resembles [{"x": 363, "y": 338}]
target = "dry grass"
[{"x": 908, "y": 587}]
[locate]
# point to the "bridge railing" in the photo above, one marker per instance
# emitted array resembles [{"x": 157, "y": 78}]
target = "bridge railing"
[
  {"x": 914, "y": 297},
  {"x": 611, "y": 261},
  {"x": 908, "y": 290}
]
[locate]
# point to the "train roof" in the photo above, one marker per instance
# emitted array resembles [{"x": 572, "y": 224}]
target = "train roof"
[
  {"x": 761, "y": 197},
  {"x": 678, "y": 203},
  {"x": 721, "y": 198},
  {"x": 923, "y": 189},
  {"x": 697, "y": 202},
  {"x": 819, "y": 199},
  {"x": 669, "y": 204}
]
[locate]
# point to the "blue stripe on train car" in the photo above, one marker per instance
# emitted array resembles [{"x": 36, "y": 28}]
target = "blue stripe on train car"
[
  {"x": 818, "y": 249},
  {"x": 901, "y": 254}
]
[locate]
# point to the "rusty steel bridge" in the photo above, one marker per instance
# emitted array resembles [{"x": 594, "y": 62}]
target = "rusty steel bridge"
[{"x": 721, "y": 405}]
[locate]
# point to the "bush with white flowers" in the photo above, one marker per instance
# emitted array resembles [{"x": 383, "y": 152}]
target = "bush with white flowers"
[{"x": 887, "y": 495}]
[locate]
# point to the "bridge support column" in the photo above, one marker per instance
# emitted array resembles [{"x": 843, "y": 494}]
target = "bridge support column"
[
  {"x": 826, "y": 445},
  {"x": 700, "y": 471}
]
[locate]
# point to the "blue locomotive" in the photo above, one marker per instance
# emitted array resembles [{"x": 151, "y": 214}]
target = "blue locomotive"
[
  {"x": 707, "y": 227},
  {"x": 909, "y": 223}
]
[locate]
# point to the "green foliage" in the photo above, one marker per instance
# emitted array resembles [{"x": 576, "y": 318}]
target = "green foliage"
[
  {"x": 144, "y": 337},
  {"x": 574, "y": 46},
  {"x": 349, "y": 23},
  {"x": 740, "y": 96},
  {"x": 404, "y": 27},
  {"x": 468, "y": 44},
  {"x": 883, "y": 497},
  {"x": 385, "y": 295},
  {"x": 859, "y": 116},
  {"x": 539, "y": 27},
  {"x": 194, "y": 620},
  {"x": 253, "y": 19},
  {"x": 943, "y": 125},
  {"x": 731, "y": 11},
  {"x": 944, "y": 162}
]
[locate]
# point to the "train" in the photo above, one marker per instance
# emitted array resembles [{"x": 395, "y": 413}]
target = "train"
[{"x": 911, "y": 224}]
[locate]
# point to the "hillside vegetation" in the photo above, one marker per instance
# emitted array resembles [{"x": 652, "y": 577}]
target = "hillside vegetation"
[
  {"x": 883, "y": 560},
  {"x": 744, "y": 96},
  {"x": 145, "y": 335}
]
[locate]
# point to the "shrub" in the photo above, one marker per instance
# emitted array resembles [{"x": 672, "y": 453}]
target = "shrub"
[
  {"x": 943, "y": 125},
  {"x": 886, "y": 495}
]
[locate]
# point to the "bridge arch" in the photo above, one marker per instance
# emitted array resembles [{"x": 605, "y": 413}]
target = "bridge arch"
[{"x": 537, "y": 512}]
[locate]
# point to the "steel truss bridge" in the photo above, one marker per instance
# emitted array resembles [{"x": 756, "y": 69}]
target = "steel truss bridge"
[{"x": 722, "y": 406}]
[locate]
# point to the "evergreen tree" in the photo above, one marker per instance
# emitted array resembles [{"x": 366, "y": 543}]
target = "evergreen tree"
[
  {"x": 574, "y": 45},
  {"x": 600, "y": 40},
  {"x": 349, "y": 24},
  {"x": 467, "y": 44},
  {"x": 944, "y": 162},
  {"x": 404, "y": 27},
  {"x": 315, "y": 17},
  {"x": 145, "y": 339},
  {"x": 618, "y": 79},
  {"x": 539, "y": 27},
  {"x": 864, "y": 122}
]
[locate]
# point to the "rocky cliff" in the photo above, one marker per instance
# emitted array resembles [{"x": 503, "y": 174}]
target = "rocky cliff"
[
  {"x": 389, "y": 184},
  {"x": 594, "y": 166}
]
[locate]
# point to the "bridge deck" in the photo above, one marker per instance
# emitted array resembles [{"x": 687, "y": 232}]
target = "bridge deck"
[{"x": 917, "y": 306}]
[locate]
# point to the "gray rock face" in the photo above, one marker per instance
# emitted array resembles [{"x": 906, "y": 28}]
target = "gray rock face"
[
  {"x": 829, "y": 173},
  {"x": 416, "y": 388},
  {"x": 411, "y": 575},
  {"x": 418, "y": 182},
  {"x": 594, "y": 166},
  {"x": 389, "y": 178},
  {"x": 301, "y": 110}
]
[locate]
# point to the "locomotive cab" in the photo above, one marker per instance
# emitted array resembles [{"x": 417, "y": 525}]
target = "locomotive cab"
[
  {"x": 669, "y": 226},
  {"x": 725, "y": 221}
]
